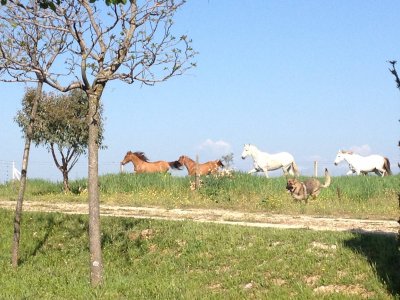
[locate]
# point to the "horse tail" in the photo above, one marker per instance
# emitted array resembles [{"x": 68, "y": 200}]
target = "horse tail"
[
  {"x": 220, "y": 164},
  {"x": 386, "y": 166},
  {"x": 175, "y": 165},
  {"x": 295, "y": 169},
  {"x": 327, "y": 179}
]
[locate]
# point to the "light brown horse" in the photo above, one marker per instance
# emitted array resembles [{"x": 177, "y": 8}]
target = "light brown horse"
[
  {"x": 141, "y": 163},
  {"x": 210, "y": 167}
]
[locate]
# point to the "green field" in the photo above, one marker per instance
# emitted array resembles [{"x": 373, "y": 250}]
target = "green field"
[
  {"x": 148, "y": 259},
  {"x": 354, "y": 196}
]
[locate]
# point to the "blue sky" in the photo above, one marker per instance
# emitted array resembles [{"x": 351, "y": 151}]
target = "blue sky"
[{"x": 308, "y": 77}]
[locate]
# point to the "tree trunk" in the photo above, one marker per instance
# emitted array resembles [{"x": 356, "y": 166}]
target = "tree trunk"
[
  {"x": 96, "y": 264},
  {"x": 22, "y": 184},
  {"x": 65, "y": 179}
]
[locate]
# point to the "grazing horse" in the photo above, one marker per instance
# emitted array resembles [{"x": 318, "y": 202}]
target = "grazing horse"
[
  {"x": 264, "y": 162},
  {"x": 210, "y": 167},
  {"x": 364, "y": 164},
  {"x": 142, "y": 165}
]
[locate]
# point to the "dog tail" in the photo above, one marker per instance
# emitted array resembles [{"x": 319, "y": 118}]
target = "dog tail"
[
  {"x": 327, "y": 179},
  {"x": 295, "y": 169}
]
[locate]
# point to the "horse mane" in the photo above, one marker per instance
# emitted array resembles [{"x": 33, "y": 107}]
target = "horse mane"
[
  {"x": 347, "y": 152},
  {"x": 140, "y": 155},
  {"x": 186, "y": 157}
]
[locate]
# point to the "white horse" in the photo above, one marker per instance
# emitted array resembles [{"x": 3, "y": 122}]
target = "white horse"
[
  {"x": 264, "y": 162},
  {"x": 363, "y": 164}
]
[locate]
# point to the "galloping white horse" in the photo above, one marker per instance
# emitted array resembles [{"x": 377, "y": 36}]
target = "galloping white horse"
[
  {"x": 363, "y": 164},
  {"x": 264, "y": 162}
]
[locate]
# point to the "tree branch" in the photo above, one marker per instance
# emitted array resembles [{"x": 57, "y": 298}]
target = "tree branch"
[{"x": 394, "y": 72}]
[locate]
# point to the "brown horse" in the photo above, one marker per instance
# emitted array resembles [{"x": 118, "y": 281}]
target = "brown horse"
[
  {"x": 142, "y": 165},
  {"x": 210, "y": 167}
]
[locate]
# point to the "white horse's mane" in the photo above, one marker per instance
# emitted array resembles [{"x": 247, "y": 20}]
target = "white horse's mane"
[{"x": 346, "y": 152}]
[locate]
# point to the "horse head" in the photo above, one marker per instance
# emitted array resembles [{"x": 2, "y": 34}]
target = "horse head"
[
  {"x": 182, "y": 159},
  {"x": 126, "y": 158},
  {"x": 340, "y": 156},
  {"x": 246, "y": 150}
]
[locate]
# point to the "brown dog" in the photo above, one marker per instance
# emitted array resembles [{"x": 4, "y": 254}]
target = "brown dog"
[{"x": 311, "y": 187}]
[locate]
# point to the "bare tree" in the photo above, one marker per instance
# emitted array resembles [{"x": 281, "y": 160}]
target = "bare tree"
[
  {"x": 130, "y": 43},
  {"x": 228, "y": 160},
  {"x": 52, "y": 4},
  {"x": 397, "y": 80},
  {"x": 23, "y": 51},
  {"x": 394, "y": 72}
]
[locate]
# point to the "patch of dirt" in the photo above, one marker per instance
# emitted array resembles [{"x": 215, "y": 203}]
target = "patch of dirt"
[
  {"x": 311, "y": 280},
  {"x": 220, "y": 216},
  {"x": 344, "y": 289}
]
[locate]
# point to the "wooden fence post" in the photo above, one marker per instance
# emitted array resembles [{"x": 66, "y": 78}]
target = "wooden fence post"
[
  {"x": 16, "y": 175},
  {"x": 197, "y": 177},
  {"x": 315, "y": 168}
]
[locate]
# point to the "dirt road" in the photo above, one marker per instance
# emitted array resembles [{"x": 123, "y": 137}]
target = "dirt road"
[{"x": 220, "y": 216}]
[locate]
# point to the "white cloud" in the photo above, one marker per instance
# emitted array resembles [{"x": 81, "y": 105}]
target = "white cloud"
[
  {"x": 214, "y": 148},
  {"x": 362, "y": 150}
]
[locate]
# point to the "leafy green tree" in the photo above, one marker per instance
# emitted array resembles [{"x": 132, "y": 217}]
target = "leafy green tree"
[{"x": 60, "y": 125}]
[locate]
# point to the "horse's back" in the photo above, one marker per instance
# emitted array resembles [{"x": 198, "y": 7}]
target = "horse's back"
[
  {"x": 370, "y": 162},
  {"x": 284, "y": 157},
  {"x": 275, "y": 161},
  {"x": 374, "y": 158}
]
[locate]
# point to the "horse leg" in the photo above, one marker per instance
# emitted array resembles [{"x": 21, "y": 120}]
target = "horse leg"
[
  {"x": 286, "y": 171},
  {"x": 350, "y": 172},
  {"x": 266, "y": 173},
  {"x": 380, "y": 172},
  {"x": 253, "y": 171}
]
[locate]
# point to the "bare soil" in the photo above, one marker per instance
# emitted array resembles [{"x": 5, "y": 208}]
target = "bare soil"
[{"x": 220, "y": 216}]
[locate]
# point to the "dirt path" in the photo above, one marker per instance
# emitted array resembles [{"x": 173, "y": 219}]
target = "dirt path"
[{"x": 219, "y": 216}]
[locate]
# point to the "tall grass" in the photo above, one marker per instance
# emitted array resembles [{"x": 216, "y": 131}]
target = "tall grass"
[
  {"x": 148, "y": 259},
  {"x": 355, "y": 196}
]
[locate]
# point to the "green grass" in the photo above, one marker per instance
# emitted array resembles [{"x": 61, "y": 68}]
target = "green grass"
[
  {"x": 149, "y": 259},
  {"x": 354, "y": 196}
]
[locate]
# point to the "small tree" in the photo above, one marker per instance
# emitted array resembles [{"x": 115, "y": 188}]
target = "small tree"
[
  {"x": 61, "y": 126},
  {"x": 228, "y": 160},
  {"x": 26, "y": 55}
]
